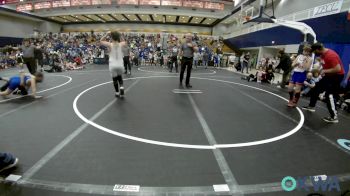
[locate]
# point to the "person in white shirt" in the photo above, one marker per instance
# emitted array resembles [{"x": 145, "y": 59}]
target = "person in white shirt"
[
  {"x": 116, "y": 64},
  {"x": 301, "y": 66},
  {"x": 196, "y": 59},
  {"x": 232, "y": 59}
]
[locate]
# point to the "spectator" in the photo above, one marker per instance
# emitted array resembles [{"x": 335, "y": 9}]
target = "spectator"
[
  {"x": 285, "y": 65},
  {"x": 232, "y": 59},
  {"x": 245, "y": 62},
  {"x": 196, "y": 59},
  {"x": 205, "y": 59},
  {"x": 309, "y": 83},
  {"x": 259, "y": 74},
  {"x": 7, "y": 161}
]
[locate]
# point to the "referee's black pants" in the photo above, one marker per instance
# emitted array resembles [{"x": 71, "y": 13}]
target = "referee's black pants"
[
  {"x": 127, "y": 64},
  {"x": 31, "y": 64},
  {"x": 186, "y": 63}
]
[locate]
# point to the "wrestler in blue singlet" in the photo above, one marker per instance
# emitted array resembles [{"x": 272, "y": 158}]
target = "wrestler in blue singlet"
[{"x": 15, "y": 82}]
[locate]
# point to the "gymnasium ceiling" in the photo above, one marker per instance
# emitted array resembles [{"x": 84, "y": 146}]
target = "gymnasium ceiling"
[
  {"x": 137, "y": 18},
  {"x": 190, "y": 12}
]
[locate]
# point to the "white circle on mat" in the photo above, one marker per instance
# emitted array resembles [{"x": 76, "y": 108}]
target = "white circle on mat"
[{"x": 190, "y": 146}]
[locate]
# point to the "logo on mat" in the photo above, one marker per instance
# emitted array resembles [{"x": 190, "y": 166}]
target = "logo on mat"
[{"x": 311, "y": 183}]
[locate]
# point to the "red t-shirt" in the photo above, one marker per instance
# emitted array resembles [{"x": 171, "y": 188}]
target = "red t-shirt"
[
  {"x": 78, "y": 60},
  {"x": 330, "y": 60}
]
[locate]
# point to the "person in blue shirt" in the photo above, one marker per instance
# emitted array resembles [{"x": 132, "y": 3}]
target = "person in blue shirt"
[{"x": 23, "y": 83}]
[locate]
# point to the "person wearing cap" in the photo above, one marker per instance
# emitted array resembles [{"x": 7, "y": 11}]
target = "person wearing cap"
[{"x": 332, "y": 75}]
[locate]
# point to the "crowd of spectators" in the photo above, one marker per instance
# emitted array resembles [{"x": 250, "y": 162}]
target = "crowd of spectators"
[{"x": 71, "y": 51}]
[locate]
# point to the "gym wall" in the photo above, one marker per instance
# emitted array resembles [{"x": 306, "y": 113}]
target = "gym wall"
[{"x": 18, "y": 26}]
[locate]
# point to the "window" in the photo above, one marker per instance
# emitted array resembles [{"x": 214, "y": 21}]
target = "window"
[
  {"x": 24, "y": 7},
  {"x": 172, "y": 2},
  {"x": 130, "y": 2},
  {"x": 101, "y": 2},
  {"x": 42, "y": 5},
  {"x": 149, "y": 2},
  {"x": 61, "y": 3},
  {"x": 190, "y": 3}
]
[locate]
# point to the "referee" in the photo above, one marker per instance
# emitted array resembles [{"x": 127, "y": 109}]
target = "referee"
[
  {"x": 186, "y": 52},
  {"x": 28, "y": 55}
]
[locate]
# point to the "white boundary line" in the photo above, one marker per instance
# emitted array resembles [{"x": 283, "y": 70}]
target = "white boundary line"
[
  {"x": 69, "y": 80},
  {"x": 219, "y": 156},
  {"x": 186, "y": 90},
  {"x": 38, "y": 165},
  {"x": 178, "y": 145},
  {"x": 159, "y": 72}
]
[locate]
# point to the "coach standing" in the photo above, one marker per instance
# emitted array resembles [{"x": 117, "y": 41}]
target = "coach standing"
[
  {"x": 186, "y": 52},
  {"x": 332, "y": 75}
]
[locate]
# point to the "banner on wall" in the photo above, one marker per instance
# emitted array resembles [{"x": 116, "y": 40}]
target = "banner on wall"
[{"x": 328, "y": 9}]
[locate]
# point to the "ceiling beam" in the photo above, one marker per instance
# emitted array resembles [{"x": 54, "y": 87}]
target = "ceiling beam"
[
  {"x": 103, "y": 20},
  {"x": 113, "y": 17},
  {"x": 76, "y": 18},
  {"x": 152, "y": 19},
  {"x": 64, "y": 18},
  {"x": 127, "y": 19},
  {"x": 88, "y": 17}
]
